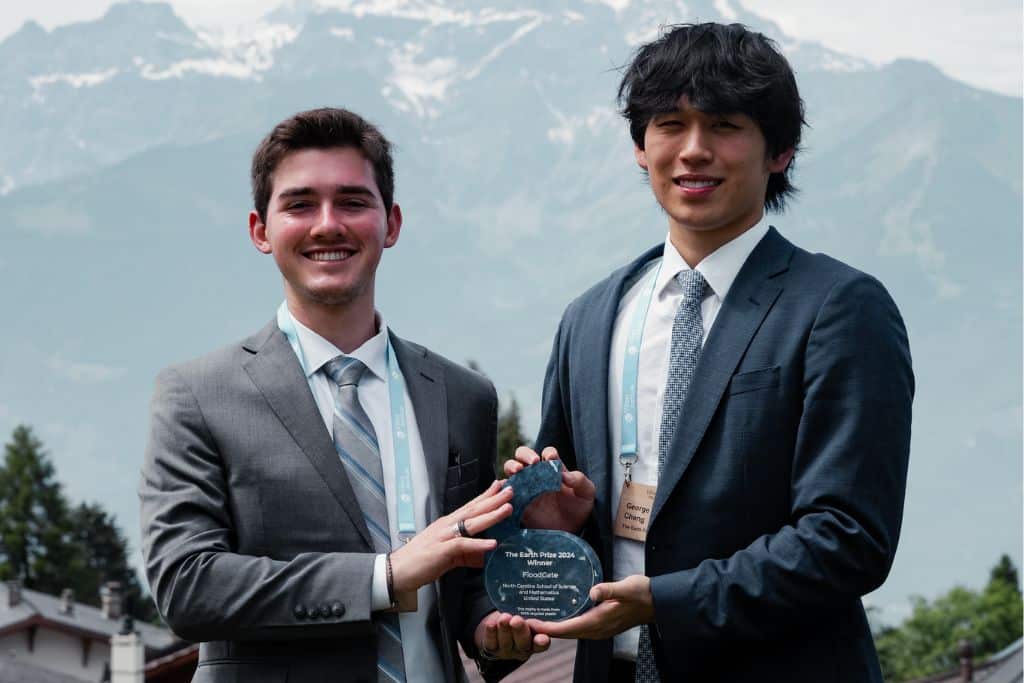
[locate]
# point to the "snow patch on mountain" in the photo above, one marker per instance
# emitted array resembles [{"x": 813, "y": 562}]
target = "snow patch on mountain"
[
  {"x": 243, "y": 52},
  {"x": 496, "y": 51},
  {"x": 419, "y": 82},
  {"x": 424, "y": 83},
  {"x": 82, "y": 80}
]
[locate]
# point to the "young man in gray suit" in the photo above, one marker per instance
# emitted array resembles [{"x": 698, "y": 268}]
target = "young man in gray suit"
[
  {"x": 741, "y": 406},
  {"x": 310, "y": 494}
]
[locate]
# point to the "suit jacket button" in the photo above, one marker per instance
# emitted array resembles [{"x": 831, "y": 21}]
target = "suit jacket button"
[
  {"x": 338, "y": 610},
  {"x": 299, "y": 611},
  {"x": 325, "y": 611}
]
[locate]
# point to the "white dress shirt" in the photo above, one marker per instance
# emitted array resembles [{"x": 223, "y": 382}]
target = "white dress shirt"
[
  {"x": 423, "y": 663},
  {"x": 719, "y": 270}
]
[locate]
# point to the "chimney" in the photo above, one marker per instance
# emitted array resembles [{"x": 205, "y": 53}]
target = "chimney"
[
  {"x": 966, "y": 652},
  {"x": 127, "y": 655},
  {"x": 67, "y": 601},
  {"x": 110, "y": 597},
  {"x": 13, "y": 593}
]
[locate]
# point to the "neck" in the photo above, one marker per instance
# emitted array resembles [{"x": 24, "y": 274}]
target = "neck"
[
  {"x": 347, "y": 326},
  {"x": 696, "y": 245}
]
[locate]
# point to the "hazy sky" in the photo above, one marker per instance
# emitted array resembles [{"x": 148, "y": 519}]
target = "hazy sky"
[{"x": 979, "y": 42}]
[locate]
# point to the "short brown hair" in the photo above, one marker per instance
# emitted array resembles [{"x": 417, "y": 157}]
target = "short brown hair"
[{"x": 321, "y": 129}]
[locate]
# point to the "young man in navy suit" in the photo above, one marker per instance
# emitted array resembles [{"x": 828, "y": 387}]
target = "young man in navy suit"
[{"x": 734, "y": 411}]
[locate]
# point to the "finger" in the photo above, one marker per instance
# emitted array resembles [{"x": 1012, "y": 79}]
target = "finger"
[
  {"x": 485, "y": 502},
  {"x": 580, "y": 484},
  {"x": 511, "y": 467},
  {"x": 521, "y": 635},
  {"x": 550, "y": 453},
  {"x": 480, "y": 523},
  {"x": 527, "y": 455},
  {"x": 603, "y": 591},
  {"x": 468, "y": 552},
  {"x": 491, "y": 489},
  {"x": 556, "y": 629},
  {"x": 506, "y": 644},
  {"x": 541, "y": 642},
  {"x": 491, "y": 637},
  {"x": 587, "y": 625}
]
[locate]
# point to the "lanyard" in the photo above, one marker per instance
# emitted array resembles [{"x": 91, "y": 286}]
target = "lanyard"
[
  {"x": 399, "y": 429},
  {"x": 630, "y": 375}
]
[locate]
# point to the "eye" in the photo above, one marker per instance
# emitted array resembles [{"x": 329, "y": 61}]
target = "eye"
[
  {"x": 297, "y": 205},
  {"x": 353, "y": 203},
  {"x": 723, "y": 124},
  {"x": 669, "y": 123}
]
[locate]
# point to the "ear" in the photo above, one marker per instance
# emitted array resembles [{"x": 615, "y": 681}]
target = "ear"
[
  {"x": 641, "y": 157},
  {"x": 394, "y": 226},
  {"x": 258, "y": 233},
  {"x": 779, "y": 162}
]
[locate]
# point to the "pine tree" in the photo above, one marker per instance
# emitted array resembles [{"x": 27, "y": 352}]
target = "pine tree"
[
  {"x": 107, "y": 560},
  {"x": 47, "y": 545},
  {"x": 510, "y": 434},
  {"x": 1005, "y": 571},
  {"x": 36, "y": 544}
]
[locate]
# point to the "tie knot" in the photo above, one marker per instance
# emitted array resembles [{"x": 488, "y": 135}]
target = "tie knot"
[
  {"x": 344, "y": 370},
  {"x": 694, "y": 285}
]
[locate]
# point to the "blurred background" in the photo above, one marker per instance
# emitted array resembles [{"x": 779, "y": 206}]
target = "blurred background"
[{"x": 125, "y": 136}]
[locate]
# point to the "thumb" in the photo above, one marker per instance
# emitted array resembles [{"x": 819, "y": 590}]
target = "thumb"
[{"x": 602, "y": 591}]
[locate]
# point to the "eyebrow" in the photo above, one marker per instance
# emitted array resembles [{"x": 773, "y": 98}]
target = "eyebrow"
[{"x": 361, "y": 190}]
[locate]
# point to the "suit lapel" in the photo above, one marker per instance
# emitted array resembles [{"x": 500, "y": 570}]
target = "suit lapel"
[
  {"x": 749, "y": 299},
  {"x": 276, "y": 372},
  {"x": 597, "y": 454},
  {"x": 424, "y": 380}
]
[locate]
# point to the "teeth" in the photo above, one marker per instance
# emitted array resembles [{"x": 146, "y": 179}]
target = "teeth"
[
  {"x": 698, "y": 184},
  {"x": 329, "y": 256}
]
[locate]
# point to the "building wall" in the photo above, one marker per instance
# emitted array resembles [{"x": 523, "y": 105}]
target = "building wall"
[{"x": 58, "y": 651}]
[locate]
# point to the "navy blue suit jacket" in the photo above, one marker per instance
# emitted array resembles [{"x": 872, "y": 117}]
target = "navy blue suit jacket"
[{"x": 782, "y": 494}]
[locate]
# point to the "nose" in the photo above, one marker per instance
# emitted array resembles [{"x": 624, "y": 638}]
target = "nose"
[
  {"x": 328, "y": 221},
  {"x": 696, "y": 148}
]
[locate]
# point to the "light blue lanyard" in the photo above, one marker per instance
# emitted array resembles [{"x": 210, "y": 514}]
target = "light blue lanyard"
[
  {"x": 399, "y": 429},
  {"x": 630, "y": 377}
]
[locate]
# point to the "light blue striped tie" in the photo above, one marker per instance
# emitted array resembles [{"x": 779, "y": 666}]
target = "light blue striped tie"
[
  {"x": 356, "y": 442},
  {"x": 687, "y": 337}
]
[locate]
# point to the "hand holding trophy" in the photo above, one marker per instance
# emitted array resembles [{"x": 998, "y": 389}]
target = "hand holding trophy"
[{"x": 547, "y": 573}]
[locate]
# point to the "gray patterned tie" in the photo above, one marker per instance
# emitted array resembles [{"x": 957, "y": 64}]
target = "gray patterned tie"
[
  {"x": 687, "y": 336},
  {"x": 356, "y": 442}
]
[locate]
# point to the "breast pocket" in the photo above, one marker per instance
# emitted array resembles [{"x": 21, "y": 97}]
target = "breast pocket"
[
  {"x": 460, "y": 484},
  {"x": 745, "y": 382}
]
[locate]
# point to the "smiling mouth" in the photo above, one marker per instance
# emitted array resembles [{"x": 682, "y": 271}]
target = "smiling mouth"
[
  {"x": 697, "y": 183},
  {"x": 327, "y": 256}
]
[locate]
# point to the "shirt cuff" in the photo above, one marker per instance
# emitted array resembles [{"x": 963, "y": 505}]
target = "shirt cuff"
[{"x": 379, "y": 586}]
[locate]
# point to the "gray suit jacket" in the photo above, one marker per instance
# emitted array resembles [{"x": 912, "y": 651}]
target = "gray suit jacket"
[
  {"x": 253, "y": 540},
  {"x": 781, "y": 498}
]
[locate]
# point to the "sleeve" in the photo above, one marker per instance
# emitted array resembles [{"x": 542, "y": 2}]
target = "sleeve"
[
  {"x": 555, "y": 429},
  {"x": 203, "y": 588},
  {"x": 849, "y": 472}
]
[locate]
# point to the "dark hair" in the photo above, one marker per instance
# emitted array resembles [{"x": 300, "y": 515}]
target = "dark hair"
[
  {"x": 321, "y": 129},
  {"x": 721, "y": 70}
]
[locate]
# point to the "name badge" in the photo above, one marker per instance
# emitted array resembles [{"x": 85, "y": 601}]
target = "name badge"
[{"x": 635, "y": 504}]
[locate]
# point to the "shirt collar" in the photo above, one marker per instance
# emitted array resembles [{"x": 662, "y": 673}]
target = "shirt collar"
[
  {"x": 719, "y": 268},
  {"x": 318, "y": 350}
]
